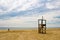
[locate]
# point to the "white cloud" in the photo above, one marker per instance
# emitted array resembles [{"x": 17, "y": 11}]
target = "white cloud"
[
  {"x": 19, "y": 5},
  {"x": 53, "y": 4},
  {"x": 49, "y": 6},
  {"x": 11, "y": 4}
]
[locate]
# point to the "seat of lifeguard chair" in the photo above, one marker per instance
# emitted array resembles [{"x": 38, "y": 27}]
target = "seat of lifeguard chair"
[{"x": 43, "y": 24}]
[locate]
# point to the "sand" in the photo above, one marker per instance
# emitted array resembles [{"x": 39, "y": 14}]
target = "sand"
[{"x": 52, "y": 34}]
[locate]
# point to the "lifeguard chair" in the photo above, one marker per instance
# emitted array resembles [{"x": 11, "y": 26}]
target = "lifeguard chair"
[{"x": 42, "y": 26}]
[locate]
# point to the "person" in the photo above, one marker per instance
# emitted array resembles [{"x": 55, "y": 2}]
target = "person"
[{"x": 8, "y": 29}]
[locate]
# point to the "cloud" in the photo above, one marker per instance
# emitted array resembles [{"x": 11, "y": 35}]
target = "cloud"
[
  {"x": 31, "y": 20},
  {"x": 25, "y": 13},
  {"x": 18, "y": 5},
  {"x": 12, "y": 8},
  {"x": 57, "y": 17},
  {"x": 53, "y": 4},
  {"x": 22, "y": 5}
]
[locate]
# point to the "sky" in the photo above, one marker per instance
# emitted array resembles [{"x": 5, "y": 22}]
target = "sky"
[{"x": 25, "y": 13}]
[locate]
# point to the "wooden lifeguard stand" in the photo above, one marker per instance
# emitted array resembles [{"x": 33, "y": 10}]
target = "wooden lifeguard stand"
[{"x": 42, "y": 26}]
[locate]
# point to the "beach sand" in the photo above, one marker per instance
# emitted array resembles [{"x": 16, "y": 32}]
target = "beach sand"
[{"x": 52, "y": 34}]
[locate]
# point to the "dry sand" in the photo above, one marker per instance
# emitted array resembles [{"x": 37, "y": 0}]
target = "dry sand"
[{"x": 52, "y": 34}]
